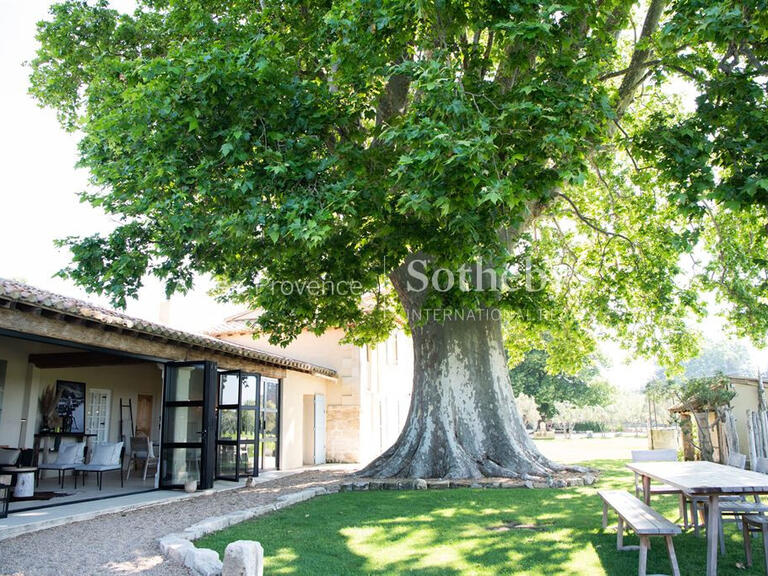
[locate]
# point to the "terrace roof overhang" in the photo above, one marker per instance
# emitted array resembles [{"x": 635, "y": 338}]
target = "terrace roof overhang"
[{"x": 31, "y": 313}]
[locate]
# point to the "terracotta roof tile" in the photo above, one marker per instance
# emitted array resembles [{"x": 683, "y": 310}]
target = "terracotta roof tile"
[{"x": 11, "y": 290}]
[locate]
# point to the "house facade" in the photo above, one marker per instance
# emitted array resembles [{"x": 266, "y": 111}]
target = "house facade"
[
  {"x": 212, "y": 409},
  {"x": 367, "y": 405},
  {"x": 221, "y": 406}
]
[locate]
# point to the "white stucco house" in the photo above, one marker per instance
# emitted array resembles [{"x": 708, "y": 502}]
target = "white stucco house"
[{"x": 366, "y": 405}]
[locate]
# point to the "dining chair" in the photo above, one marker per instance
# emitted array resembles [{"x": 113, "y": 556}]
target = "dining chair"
[
  {"x": 141, "y": 449},
  {"x": 699, "y": 503},
  {"x": 756, "y": 521},
  {"x": 662, "y": 455}
]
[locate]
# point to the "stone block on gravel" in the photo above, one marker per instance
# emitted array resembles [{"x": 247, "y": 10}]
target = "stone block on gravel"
[
  {"x": 176, "y": 547},
  {"x": 203, "y": 562},
  {"x": 243, "y": 558}
]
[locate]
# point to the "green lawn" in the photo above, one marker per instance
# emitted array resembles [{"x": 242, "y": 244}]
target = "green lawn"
[{"x": 443, "y": 532}]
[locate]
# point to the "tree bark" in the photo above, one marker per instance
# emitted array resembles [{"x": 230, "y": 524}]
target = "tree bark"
[{"x": 463, "y": 421}]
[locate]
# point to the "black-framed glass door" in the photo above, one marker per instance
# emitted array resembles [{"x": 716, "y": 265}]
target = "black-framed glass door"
[
  {"x": 187, "y": 449},
  {"x": 269, "y": 416},
  {"x": 237, "y": 429}
]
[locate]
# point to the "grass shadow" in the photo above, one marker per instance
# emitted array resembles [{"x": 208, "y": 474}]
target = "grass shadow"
[{"x": 543, "y": 532}]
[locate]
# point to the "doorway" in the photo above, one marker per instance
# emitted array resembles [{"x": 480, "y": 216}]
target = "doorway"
[
  {"x": 144, "y": 415},
  {"x": 188, "y": 415},
  {"x": 269, "y": 417},
  {"x": 97, "y": 416},
  {"x": 313, "y": 429},
  {"x": 237, "y": 425}
]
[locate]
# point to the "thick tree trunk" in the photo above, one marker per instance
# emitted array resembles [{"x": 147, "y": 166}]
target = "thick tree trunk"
[{"x": 463, "y": 421}]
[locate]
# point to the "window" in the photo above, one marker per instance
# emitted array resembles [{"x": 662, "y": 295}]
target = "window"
[{"x": 3, "y": 367}]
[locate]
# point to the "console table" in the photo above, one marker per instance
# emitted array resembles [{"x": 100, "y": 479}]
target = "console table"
[{"x": 46, "y": 437}]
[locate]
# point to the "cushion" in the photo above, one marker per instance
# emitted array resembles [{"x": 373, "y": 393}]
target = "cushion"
[
  {"x": 106, "y": 453},
  {"x": 80, "y": 453},
  {"x": 67, "y": 454},
  {"x": 9, "y": 456},
  {"x": 71, "y": 453}
]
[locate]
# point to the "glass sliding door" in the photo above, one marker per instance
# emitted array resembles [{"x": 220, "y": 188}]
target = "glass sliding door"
[
  {"x": 269, "y": 411},
  {"x": 237, "y": 427},
  {"x": 188, "y": 422},
  {"x": 249, "y": 425}
]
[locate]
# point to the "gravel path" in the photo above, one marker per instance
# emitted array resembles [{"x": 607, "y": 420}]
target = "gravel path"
[{"x": 127, "y": 543}]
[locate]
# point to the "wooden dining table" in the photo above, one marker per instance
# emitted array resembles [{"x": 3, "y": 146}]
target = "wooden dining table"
[{"x": 705, "y": 479}]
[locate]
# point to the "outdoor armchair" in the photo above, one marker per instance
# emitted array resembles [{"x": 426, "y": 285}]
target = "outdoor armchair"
[
  {"x": 70, "y": 456},
  {"x": 106, "y": 456}
]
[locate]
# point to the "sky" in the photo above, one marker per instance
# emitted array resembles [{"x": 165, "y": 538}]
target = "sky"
[
  {"x": 39, "y": 186},
  {"x": 39, "y": 202}
]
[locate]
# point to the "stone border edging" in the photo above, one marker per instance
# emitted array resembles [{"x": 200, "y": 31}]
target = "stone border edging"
[
  {"x": 179, "y": 546},
  {"x": 437, "y": 484}
]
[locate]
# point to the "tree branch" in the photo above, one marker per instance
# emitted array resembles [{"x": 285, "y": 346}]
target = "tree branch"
[
  {"x": 591, "y": 223},
  {"x": 487, "y": 55},
  {"x": 640, "y": 58},
  {"x": 394, "y": 98}
]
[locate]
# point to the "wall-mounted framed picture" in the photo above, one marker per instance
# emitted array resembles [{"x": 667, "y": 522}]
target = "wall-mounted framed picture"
[{"x": 71, "y": 405}]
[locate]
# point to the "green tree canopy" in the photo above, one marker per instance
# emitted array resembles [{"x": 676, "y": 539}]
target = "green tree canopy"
[{"x": 297, "y": 142}]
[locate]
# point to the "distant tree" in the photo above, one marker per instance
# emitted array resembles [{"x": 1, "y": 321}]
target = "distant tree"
[
  {"x": 528, "y": 410},
  {"x": 532, "y": 377},
  {"x": 629, "y": 410},
  {"x": 725, "y": 356},
  {"x": 568, "y": 414}
]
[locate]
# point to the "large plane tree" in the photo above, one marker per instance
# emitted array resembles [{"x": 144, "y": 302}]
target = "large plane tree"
[{"x": 462, "y": 165}]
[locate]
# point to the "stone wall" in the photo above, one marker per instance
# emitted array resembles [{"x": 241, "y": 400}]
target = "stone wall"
[{"x": 342, "y": 430}]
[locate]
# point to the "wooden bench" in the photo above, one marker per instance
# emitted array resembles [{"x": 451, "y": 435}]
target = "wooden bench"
[{"x": 644, "y": 521}]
